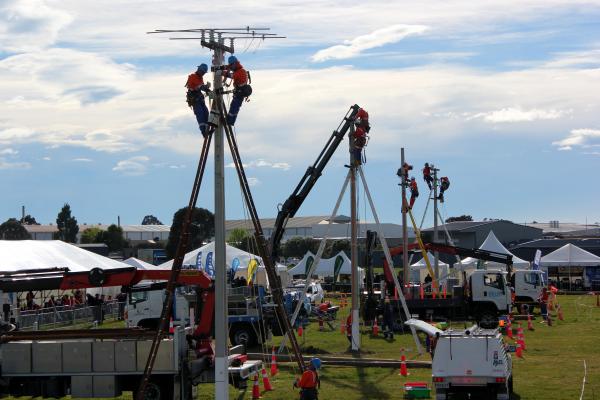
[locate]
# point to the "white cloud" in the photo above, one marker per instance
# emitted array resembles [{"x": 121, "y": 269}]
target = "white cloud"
[
  {"x": 9, "y": 152},
  {"x": 261, "y": 163},
  {"x": 84, "y": 160},
  {"x": 27, "y": 25},
  {"x": 4, "y": 164},
  {"x": 253, "y": 181},
  {"x": 46, "y": 158},
  {"x": 515, "y": 114},
  {"x": 377, "y": 38},
  {"x": 133, "y": 166},
  {"x": 587, "y": 58},
  {"x": 582, "y": 138}
]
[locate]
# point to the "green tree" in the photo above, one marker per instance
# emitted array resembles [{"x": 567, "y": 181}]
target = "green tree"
[
  {"x": 335, "y": 247},
  {"x": 201, "y": 229},
  {"x": 113, "y": 237},
  {"x": 92, "y": 235},
  {"x": 240, "y": 238},
  {"x": 151, "y": 220},
  {"x": 298, "y": 246},
  {"x": 67, "y": 225},
  {"x": 13, "y": 230},
  {"x": 29, "y": 220},
  {"x": 461, "y": 218}
]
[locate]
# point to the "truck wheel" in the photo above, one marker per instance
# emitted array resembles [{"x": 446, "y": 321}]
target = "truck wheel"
[
  {"x": 488, "y": 320},
  {"x": 242, "y": 334},
  {"x": 153, "y": 392}
]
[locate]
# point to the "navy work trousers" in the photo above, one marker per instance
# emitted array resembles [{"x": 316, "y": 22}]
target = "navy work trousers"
[
  {"x": 234, "y": 109},
  {"x": 201, "y": 113}
]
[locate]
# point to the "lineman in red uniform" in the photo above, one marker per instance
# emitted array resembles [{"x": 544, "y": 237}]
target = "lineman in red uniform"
[
  {"x": 195, "y": 99},
  {"x": 427, "y": 176},
  {"x": 241, "y": 89},
  {"x": 309, "y": 381},
  {"x": 414, "y": 192},
  {"x": 360, "y": 134}
]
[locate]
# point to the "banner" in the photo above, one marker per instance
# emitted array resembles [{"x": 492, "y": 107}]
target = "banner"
[
  {"x": 537, "y": 259},
  {"x": 339, "y": 261},
  {"x": 309, "y": 262},
  {"x": 209, "y": 269},
  {"x": 252, "y": 268},
  {"x": 235, "y": 264},
  {"x": 199, "y": 261}
]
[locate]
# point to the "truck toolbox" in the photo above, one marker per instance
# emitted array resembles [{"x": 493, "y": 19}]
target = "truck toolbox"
[
  {"x": 164, "y": 357},
  {"x": 103, "y": 356},
  {"x": 125, "y": 356},
  {"x": 77, "y": 357},
  {"x": 46, "y": 357},
  {"x": 16, "y": 358}
]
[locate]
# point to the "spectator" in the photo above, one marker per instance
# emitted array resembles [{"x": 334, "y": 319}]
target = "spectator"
[
  {"x": 543, "y": 299},
  {"x": 388, "y": 319},
  {"x": 121, "y": 299},
  {"x": 29, "y": 299}
]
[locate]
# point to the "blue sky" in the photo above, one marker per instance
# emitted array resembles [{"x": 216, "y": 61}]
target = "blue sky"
[{"x": 502, "y": 96}]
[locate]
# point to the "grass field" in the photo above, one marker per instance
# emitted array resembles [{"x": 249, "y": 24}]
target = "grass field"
[{"x": 552, "y": 367}]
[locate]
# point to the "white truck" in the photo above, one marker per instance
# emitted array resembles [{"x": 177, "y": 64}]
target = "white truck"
[
  {"x": 473, "y": 361},
  {"x": 528, "y": 285}
]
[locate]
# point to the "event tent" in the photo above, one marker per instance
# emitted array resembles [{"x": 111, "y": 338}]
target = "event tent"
[
  {"x": 139, "y": 264},
  {"x": 570, "y": 255},
  {"x": 326, "y": 266},
  {"x": 18, "y": 255},
  {"x": 491, "y": 243},
  {"x": 203, "y": 258},
  {"x": 419, "y": 269}
]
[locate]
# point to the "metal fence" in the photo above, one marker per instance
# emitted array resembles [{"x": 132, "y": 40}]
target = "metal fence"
[{"x": 54, "y": 317}]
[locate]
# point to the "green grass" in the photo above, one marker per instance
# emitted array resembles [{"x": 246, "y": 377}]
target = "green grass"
[{"x": 552, "y": 367}]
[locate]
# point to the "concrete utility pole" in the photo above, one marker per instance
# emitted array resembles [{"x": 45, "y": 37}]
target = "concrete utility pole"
[
  {"x": 436, "y": 255},
  {"x": 354, "y": 249},
  {"x": 406, "y": 269},
  {"x": 221, "y": 312}
]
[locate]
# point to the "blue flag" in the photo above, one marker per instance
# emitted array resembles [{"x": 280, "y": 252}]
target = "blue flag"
[{"x": 209, "y": 269}]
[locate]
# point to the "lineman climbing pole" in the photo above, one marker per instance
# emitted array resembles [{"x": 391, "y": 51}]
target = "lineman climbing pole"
[{"x": 216, "y": 43}]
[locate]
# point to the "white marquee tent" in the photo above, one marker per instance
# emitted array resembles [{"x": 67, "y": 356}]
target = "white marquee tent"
[
  {"x": 139, "y": 264},
  {"x": 570, "y": 255},
  {"x": 17, "y": 255},
  {"x": 419, "y": 269},
  {"x": 203, "y": 258},
  {"x": 326, "y": 266},
  {"x": 491, "y": 243}
]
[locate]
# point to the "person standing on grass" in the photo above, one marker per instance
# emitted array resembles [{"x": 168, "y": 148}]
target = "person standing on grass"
[
  {"x": 388, "y": 319},
  {"x": 543, "y": 299}
]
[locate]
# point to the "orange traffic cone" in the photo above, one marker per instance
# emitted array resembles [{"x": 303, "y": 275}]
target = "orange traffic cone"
[
  {"x": 519, "y": 351},
  {"x": 375, "y": 328},
  {"x": 265, "y": 379},
  {"x": 274, "y": 370},
  {"x": 560, "y": 313},
  {"x": 444, "y": 292},
  {"x": 529, "y": 324},
  {"x": 509, "y": 331},
  {"x": 300, "y": 330},
  {"x": 403, "y": 369},
  {"x": 171, "y": 327},
  {"x": 255, "y": 388},
  {"x": 521, "y": 337},
  {"x": 421, "y": 292}
]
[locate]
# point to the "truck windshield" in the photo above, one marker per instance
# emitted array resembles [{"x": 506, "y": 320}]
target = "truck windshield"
[
  {"x": 532, "y": 278},
  {"x": 494, "y": 280},
  {"x": 138, "y": 297}
]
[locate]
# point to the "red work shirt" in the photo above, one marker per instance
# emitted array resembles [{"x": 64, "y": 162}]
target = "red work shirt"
[
  {"x": 426, "y": 171},
  {"x": 309, "y": 380},
  {"x": 413, "y": 186},
  {"x": 362, "y": 114},
  {"x": 194, "y": 81},
  {"x": 239, "y": 76}
]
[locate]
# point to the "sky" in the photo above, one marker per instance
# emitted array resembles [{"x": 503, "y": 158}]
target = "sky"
[{"x": 502, "y": 96}]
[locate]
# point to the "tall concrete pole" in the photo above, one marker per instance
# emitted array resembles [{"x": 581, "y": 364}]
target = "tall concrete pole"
[
  {"x": 436, "y": 255},
  {"x": 354, "y": 249},
  {"x": 221, "y": 312},
  {"x": 406, "y": 269}
]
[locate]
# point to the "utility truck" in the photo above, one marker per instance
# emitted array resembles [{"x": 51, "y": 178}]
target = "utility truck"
[{"x": 473, "y": 361}]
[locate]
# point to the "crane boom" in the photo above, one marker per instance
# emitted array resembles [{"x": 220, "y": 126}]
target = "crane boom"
[{"x": 312, "y": 174}]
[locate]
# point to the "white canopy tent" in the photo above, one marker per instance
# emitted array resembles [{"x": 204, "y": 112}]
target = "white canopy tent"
[
  {"x": 203, "y": 258},
  {"x": 419, "y": 269},
  {"x": 491, "y": 243},
  {"x": 326, "y": 266},
  {"x": 18, "y": 255},
  {"x": 570, "y": 255},
  {"x": 139, "y": 264}
]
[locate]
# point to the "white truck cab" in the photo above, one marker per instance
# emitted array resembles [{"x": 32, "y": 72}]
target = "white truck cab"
[
  {"x": 490, "y": 295},
  {"x": 144, "y": 307},
  {"x": 528, "y": 286}
]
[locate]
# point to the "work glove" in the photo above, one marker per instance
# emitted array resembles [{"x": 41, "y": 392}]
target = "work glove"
[{"x": 211, "y": 95}]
